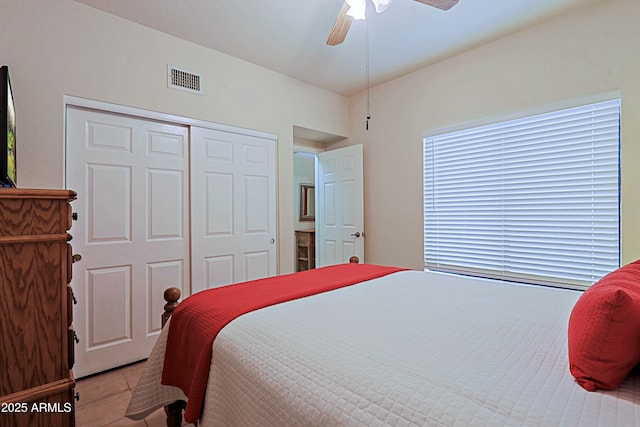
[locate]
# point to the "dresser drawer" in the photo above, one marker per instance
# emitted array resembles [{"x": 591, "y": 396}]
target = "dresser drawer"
[
  {"x": 50, "y": 404},
  {"x": 34, "y": 212}
]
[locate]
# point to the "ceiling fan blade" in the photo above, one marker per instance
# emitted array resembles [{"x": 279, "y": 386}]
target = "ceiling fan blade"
[
  {"x": 340, "y": 27},
  {"x": 440, "y": 4}
]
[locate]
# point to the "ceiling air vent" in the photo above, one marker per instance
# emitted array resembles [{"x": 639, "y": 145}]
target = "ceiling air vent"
[{"x": 184, "y": 80}]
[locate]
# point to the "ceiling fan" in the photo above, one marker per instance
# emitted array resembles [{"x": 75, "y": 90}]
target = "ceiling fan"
[{"x": 355, "y": 9}]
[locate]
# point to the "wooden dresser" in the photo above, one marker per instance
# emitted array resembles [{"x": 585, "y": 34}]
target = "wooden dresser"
[
  {"x": 36, "y": 308},
  {"x": 305, "y": 250}
]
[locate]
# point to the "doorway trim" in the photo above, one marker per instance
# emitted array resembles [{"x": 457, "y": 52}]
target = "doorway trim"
[{"x": 312, "y": 151}]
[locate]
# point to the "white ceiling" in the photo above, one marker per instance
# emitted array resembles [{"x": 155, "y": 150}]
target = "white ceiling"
[{"x": 288, "y": 36}]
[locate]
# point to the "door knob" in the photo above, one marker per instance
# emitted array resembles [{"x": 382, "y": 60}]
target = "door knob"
[{"x": 356, "y": 234}]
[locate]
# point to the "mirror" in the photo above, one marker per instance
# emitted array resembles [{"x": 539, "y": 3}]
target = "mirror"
[{"x": 307, "y": 202}]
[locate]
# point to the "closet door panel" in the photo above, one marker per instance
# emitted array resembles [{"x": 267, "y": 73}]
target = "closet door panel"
[
  {"x": 233, "y": 208},
  {"x": 131, "y": 175}
]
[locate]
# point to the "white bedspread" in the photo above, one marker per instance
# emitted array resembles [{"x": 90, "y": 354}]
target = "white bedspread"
[{"x": 411, "y": 348}]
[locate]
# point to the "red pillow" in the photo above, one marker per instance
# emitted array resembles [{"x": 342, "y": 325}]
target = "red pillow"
[{"x": 604, "y": 330}]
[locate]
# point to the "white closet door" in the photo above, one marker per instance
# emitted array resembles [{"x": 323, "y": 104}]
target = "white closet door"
[
  {"x": 233, "y": 208},
  {"x": 131, "y": 176}
]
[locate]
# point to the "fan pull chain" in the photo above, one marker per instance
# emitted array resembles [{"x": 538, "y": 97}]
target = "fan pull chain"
[{"x": 367, "y": 73}]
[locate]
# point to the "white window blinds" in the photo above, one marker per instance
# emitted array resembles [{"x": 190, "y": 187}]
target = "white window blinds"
[{"x": 533, "y": 200}]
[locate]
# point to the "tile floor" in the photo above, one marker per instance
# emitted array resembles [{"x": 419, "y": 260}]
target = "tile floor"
[{"x": 104, "y": 398}]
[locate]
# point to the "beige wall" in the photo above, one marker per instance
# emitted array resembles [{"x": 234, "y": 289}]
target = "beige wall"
[
  {"x": 582, "y": 53},
  {"x": 59, "y": 47}
]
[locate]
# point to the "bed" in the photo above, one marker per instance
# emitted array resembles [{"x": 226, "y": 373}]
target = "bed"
[{"x": 404, "y": 349}]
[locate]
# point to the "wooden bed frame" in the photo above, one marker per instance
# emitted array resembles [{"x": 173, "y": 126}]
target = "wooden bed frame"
[{"x": 171, "y": 296}]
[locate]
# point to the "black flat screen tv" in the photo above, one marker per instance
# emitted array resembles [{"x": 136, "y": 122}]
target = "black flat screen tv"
[{"x": 8, "y": 170}]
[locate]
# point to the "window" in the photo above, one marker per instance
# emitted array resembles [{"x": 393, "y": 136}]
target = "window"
[{"x": 533, "y": 200}]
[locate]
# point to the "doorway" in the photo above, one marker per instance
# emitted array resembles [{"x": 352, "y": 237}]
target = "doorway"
[
  {"x": 304, "y": 203},
  {"x": 335, "y": 231}
]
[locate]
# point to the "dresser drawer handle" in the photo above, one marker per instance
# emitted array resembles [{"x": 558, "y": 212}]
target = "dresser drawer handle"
[
  {"x": 75, "y": 338},
  {"x": 77, "y": 396}
]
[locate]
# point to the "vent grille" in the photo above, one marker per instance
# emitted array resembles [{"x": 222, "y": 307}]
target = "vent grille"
[{"x": 184, "y": 80}]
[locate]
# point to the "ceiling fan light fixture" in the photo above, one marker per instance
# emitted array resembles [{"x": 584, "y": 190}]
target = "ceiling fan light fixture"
[
  {"x": 381, "y": 5},
  {"x": 357, "y": 9}
]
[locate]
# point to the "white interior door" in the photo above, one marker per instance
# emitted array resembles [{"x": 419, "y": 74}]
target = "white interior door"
[
  {"x": 233, "y": 208},
  {"x": 339, "y": 206},
  {"x": 131, "y": 176}
]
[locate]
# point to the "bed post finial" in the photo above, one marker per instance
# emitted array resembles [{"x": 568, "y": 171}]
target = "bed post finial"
[
  {"x": 171, "y": 296},
  {"x": 354, "y": 260}
]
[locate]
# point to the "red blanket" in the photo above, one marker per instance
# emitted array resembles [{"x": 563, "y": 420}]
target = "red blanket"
[{"x": 198, "y": 319}]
